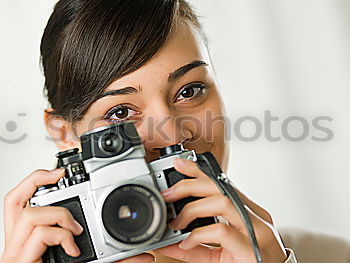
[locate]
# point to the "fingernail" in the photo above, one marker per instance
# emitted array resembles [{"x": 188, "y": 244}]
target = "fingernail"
[
  {"x": 167, "y": 192},
  {"x": 183, "y": 244},
  {"x": 76, "y": 251},
  {"x": 78, "y": 227},
  {"x": 57, "y": 171}
]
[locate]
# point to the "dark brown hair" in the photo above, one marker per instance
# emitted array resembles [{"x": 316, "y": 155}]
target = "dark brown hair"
[{"x": 87, "y": 44}]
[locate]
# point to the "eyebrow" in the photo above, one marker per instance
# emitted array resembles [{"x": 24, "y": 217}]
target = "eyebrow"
[
  {"x": 123, "y": 91},
  {"x": 184, "y": 69},
  {"x": 180, "y": 72}
]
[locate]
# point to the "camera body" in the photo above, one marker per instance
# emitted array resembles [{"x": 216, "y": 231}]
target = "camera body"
[{"x": 114, "y": 194}]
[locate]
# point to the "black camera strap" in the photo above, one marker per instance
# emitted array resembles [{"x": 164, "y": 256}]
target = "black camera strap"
[{"x": 222, "y": 181}]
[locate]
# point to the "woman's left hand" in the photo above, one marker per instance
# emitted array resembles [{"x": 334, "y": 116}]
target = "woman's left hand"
[{"x": 233, "y": 237}]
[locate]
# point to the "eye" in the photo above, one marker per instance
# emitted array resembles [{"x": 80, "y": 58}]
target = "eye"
[
  {"x": 191, "y": 91},
  {"x": 120, "y": 113}
]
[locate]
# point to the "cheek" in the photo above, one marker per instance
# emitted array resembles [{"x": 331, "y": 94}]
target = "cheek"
[
  {"x": 209, "y": 128},
  {"x": 209, "y": 123}
]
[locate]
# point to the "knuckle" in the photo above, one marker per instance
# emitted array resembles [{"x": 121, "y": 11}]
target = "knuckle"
[
  {"x": 183, "y": 184},
  {"x": 27, "y": 214},
  {"x": 222, "y": 229},
  {"x": 65, "y": 235},
  {"x": 39, "y": 233},
  {"x": 62, "y": 211},
  {"x": 190, "y": 206},
  {"x": 188, "y": 209},
  {"x": 224, "y": 201},
  {"x": 63, "y": 214},
  {"x": 9, "y": 198},
  {"x": 213, "y": 186},
  {"x": 195, "y": 233}
]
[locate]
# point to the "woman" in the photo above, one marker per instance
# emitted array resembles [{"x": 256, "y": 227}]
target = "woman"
[{"x": 110, "y": 61}]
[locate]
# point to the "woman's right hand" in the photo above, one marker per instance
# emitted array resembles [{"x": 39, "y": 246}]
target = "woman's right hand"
[{"x": 30, "y": 230}]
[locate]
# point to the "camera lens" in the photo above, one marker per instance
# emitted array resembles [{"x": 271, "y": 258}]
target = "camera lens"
[
  {"x": 111, "y": 143},
  {"x": 134, "y": 215},
  {"x": 172, "y": 149}
]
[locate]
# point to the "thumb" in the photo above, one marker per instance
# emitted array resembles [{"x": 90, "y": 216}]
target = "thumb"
[{"x": 198, "y": 254}]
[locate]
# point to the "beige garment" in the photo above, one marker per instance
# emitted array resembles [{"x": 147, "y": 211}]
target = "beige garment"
[{"x": 314, "y": 247}]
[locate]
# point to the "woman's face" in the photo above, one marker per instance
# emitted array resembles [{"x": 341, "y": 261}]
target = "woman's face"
[{"x": 173, "y": 98}]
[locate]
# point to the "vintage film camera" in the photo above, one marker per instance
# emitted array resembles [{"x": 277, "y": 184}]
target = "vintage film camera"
[{"x": 114, "y": 194}]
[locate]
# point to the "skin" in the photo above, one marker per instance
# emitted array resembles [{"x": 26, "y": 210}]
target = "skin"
[{"x": 30, "y": 230}]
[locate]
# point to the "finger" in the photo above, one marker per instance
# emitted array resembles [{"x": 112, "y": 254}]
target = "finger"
[
  {"x": 221, "y": 234},
  {"x": 198, "y": 254},
  {"x": 18, "y": 197},
  {"x": 142, "y": 258},
  {"x": 191, "y": 169},
  {"x": 189, "y": 187},
  {"x": 218, "y": 205},
  {"x": 215, "y": 205},
  {"x": 26, "y": 188},
  {"x": 44, "y": 236},
  {"x": 32, "y": 217},
  {"x": 188, "y": 167}
]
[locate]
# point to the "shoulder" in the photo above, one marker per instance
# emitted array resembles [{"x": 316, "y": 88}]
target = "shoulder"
[{"x": 312, "y": 246}]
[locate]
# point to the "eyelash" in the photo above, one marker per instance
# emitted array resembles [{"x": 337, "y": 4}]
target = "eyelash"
[
  {"x": 197, "y": 85},
  {"x": 114, "y": 110},
  {"x": 202, "y": 89}
]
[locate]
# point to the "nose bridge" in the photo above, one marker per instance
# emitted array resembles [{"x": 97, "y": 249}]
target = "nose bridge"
[{"x": 162, "y": 127}]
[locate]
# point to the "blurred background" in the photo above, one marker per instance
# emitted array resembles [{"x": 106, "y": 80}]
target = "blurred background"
[{"x": 284, "y": 73}]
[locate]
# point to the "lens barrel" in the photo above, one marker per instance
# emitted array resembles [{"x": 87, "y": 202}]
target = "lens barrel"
[
  {"x": 170, "y": 150},
  {"x": 133, "y": 214}
]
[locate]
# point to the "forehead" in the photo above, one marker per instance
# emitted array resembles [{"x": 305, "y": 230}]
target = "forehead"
[{"x": 184, "y": 45}]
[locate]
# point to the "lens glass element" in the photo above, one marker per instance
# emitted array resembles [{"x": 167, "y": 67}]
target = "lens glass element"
[{"x": 132, "y": 214}]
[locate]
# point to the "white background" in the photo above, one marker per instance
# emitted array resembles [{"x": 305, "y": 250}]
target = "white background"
[{"x": 290, "y": 57}]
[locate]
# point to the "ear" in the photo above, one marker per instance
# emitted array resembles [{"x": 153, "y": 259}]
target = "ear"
[{"x": 61, "y": 131}]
